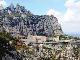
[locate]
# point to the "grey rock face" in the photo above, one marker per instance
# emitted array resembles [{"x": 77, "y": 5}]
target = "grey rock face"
[{"x": 20, "y": 21}]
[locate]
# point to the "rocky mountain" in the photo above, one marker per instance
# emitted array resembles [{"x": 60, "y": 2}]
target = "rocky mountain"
[{"x": 19, "y": 21}]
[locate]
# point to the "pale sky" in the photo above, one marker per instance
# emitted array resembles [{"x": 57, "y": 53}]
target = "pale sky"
[{"x": 67, "y": 11}]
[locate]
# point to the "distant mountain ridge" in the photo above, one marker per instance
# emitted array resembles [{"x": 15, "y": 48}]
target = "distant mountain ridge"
[
  {"x": 19, "y": 21},
  {"x": 75, "y": 34}
]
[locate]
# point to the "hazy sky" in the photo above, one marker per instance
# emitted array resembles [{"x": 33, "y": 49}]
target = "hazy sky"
[
  {"x": 67, "y": 11},
  {"x": 40, "y": 6}
]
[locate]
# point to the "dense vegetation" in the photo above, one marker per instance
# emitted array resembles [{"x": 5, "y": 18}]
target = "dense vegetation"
[
  {"x": 68, "y": 37},
  {"x": 7, "y": 51}
]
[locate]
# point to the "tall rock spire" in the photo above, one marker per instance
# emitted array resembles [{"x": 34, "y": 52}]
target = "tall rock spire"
[{"x": 11, "y": 7}]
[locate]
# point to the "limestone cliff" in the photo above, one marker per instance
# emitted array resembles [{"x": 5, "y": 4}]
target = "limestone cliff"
[{"x": 19, "y": 21}]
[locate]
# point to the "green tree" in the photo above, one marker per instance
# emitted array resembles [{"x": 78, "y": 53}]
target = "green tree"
[{"x": 6, "y": 48}]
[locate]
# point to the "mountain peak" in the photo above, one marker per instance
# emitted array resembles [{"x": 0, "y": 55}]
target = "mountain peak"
[{"x": 19, "y": 21}]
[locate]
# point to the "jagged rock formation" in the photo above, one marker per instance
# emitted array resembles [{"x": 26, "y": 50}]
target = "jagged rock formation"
[{"x": 19, "y": 21}]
